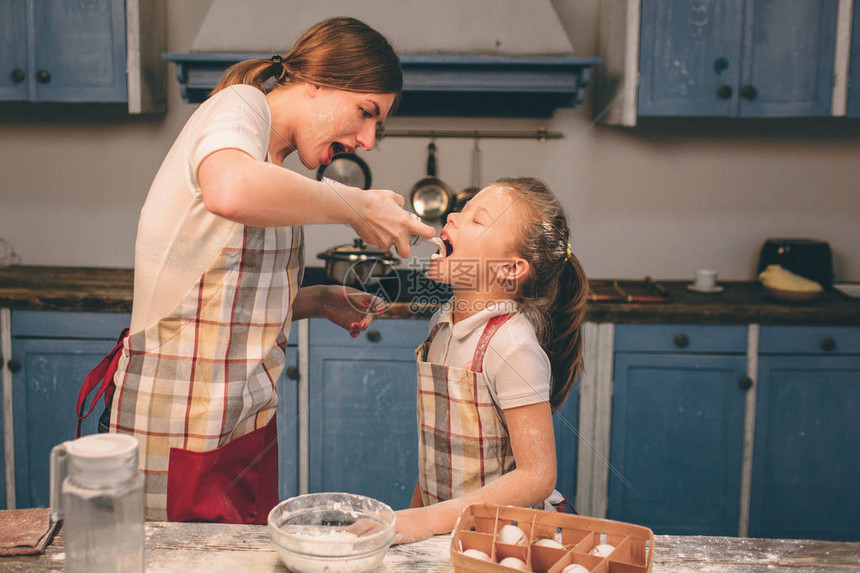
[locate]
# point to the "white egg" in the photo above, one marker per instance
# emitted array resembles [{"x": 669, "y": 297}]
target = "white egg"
[
  {"x": 512, "y": 535},
  {"x": 477, "y": 554},
  {"x": 513, "y": 563},
  {"x": 546, "y": 542},
  {"x": 575, "y": 568},
  {"x": 602, "y": 550}
]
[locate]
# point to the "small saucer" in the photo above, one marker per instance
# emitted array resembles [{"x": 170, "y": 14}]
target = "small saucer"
[{"x": 714, "y": 290}]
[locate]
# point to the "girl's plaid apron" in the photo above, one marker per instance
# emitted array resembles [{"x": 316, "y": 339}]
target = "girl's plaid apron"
[
  {"x": 463, "y": 441},
  {"x": 198, "y": 389}
]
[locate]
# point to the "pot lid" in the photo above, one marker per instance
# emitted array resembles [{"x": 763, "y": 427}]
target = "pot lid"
[{"x": 357, "y": 251}]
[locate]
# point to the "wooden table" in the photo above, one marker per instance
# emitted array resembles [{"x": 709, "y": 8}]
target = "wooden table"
[{"x": 213, "y": 548}]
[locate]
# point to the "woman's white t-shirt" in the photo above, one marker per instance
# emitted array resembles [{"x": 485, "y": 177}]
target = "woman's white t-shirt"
[{"x": 177, "y": 237}]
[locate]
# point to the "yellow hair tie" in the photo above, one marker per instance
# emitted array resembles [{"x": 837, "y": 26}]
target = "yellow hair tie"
[{"x": 569, "y": 254}]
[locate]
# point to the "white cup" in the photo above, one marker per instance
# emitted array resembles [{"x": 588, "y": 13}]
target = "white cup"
[{"x": 706, "y": 279}]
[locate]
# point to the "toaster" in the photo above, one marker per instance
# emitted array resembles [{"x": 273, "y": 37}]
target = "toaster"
[{"x": 805, "y": 257}]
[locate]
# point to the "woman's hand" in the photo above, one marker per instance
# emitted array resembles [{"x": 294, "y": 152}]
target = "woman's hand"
[
  {"x": 349, "y": 308},
  {"x": 381, "y": 221},
  {"x": 412, "y": 525}
]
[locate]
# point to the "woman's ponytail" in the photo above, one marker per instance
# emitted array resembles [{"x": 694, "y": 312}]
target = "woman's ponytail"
[
  {"x": 254, "y": 72},
  {"x": 340, "y": 53}
]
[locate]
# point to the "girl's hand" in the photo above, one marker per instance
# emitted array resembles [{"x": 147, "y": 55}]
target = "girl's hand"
[
  {"x": 381, "y": 221},
  {"x": 349, "y": 308},
  {"x": 412, "y": 525}
]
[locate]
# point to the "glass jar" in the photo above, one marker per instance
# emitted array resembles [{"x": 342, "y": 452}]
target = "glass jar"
[{"x": 97, "y": 491}]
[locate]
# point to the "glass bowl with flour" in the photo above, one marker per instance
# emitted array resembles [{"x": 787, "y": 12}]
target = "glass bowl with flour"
[{"x": 331, "y": 532}]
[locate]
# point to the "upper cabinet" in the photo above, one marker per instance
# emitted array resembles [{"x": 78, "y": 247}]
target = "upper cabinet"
[
  {"x": 13, "y": 50},
  {"x": 730, "y": 58},
  {"x": 854, "y": 78},
  {"x": 689, "y": 58},
  {"x": 84, "y": 51},
  {"x": 78, "y": 51},
  {"x": 789, "y": 51}
]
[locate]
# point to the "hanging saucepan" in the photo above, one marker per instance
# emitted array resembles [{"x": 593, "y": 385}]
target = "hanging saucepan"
[
  {"x": 462, "y": 196},
  {"x": 357, "y": 265},
  {"x": 431, "y": 199}
]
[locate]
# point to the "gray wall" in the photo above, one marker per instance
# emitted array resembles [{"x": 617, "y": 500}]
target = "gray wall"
[{"x": 662, "y": 199}]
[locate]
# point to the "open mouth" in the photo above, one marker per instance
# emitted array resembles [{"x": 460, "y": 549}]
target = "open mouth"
[
  {"x": 443, "y": 246},
  {"x": 337, "y": 148}
]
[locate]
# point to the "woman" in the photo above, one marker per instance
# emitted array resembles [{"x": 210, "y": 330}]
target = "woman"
[{"x": 218, "y": 264}]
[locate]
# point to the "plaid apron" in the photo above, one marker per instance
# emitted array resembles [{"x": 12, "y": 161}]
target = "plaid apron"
[
  {"x": 206, "y": 375},
  {"x": 463, "y": 442}
]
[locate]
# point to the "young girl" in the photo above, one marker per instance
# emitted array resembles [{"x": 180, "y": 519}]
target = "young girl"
[{"x": 500, "y": 356}]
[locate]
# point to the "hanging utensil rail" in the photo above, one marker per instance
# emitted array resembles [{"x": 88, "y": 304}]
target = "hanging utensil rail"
[{"x": 539, "y": 134}]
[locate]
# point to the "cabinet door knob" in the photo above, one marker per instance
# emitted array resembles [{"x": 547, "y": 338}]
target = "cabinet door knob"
[
  {"x": 18, "y": 75},
  {"x": 374, "y": 335},
  {"x": 43, "y": 76},
  {"x": 749, "y": 92},
  {"x": 724, "y": 92},
  {"x": 721, "y": 64},
  {"x": 14, "y": 365},
  {"x": 828, "y": 344},
  {"x": 681, "y": 340},
  {"x": 745, "y": 383},
  {"x": 293, "y": 372}
]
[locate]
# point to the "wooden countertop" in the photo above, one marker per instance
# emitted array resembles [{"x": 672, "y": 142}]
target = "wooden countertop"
[
  {"x": 742, "y": 302},
  {"x": 215, "y": 548}
]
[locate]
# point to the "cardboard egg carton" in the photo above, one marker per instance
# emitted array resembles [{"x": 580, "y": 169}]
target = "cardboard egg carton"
[{"x": 479, "y": 524}]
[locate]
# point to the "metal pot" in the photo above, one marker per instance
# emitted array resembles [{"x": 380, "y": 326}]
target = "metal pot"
[{"x": 357, "y": 265}]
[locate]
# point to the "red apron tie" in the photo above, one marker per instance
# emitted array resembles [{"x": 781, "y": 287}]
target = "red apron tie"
[{"x": 101, "y": 376}]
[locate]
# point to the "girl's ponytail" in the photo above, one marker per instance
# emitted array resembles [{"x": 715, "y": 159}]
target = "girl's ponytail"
[
  {"x": 555, "y": 294},
  {"x": 564, "y": 336}
]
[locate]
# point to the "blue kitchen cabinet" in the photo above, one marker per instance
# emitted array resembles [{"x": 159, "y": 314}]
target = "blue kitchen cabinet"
[
  {"x": 688, "y": 52},
  {"x": 806, "y": 457},
  {"x": 566, "y": 425},
  {"x": 52, "y": 353},
  {"x": 71, "y": 51},
  {"x": 13, "y": 50},
  {"x": 789, "y": 53},
  {"x": 363, "y": 421},
  {"x": 854, "y": 74},
  {"x": 677, "y": 428},
  {"x": 288, "y": 425},
  {"x": 755, "y": 58}
]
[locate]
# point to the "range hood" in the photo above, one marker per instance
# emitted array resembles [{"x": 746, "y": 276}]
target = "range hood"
[{"x": 502, "y": 58}]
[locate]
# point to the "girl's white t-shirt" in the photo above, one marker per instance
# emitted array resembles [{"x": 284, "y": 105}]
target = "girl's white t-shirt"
[
  {"x": 177, "y": 237},
  {"x": 516, "y": 367}
]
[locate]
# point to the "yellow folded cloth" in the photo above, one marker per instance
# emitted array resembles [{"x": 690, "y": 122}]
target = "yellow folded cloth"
[{"x": 25, "y": 531}]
